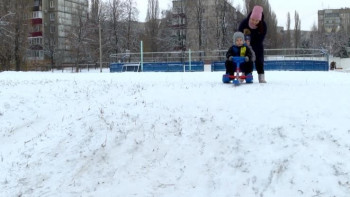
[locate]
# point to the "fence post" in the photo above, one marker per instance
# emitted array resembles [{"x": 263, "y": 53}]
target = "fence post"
[
  {"x": 189, "y": 59},
  {"x": 141, "y": 56},
  {"x": 183, "y": 61},
  {"x": 99, "y": 34}
]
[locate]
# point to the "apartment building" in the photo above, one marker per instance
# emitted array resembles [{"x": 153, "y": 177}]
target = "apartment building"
[
  {"x": 334, "y": 20},
  {"x": 50, "y": 21},
  {"x": 179, "y": 25},
  {"x": 217, "y": 20}
]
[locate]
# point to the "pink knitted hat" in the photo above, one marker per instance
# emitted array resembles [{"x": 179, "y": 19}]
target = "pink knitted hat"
[{"x": 257, "y": 13}]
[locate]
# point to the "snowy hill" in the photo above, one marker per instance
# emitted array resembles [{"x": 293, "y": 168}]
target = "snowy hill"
[{"x": 174, "y": 134}]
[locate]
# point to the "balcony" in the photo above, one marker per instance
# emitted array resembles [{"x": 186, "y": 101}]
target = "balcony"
[
  {"x": 36, "y": 8},
  {"x": 37, "y": 14},
  {"x": 177, "y": 15},
  {"x": 37, "y": 21},
  {"x": 35, "y": 41},
  {"x": 178, "y": 26},
  {"x": 35, "y": 47},
  {"x": 36, "y": 34}
]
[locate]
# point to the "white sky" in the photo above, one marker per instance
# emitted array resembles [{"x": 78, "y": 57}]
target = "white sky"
[{"x": 307, "y": 9}]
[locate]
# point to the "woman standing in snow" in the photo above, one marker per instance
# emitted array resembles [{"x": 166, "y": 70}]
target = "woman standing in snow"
[{"x": 255, "y": 25}]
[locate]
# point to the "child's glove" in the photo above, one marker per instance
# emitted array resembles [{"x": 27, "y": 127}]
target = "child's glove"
[
  {"x": 230, "y": 58},
  {"x": 246, "y": 59}
]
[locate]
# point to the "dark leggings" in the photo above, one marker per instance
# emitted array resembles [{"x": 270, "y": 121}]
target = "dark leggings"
[
  {"x": 259, "y": 65},
  {"x": 246, "y": 67}
]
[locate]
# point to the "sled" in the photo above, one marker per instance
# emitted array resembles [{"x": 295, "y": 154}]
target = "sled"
[{"x": 237, "y": 77}]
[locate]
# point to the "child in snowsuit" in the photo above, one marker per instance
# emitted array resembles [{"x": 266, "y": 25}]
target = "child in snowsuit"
[
  {"x": 239, "y": 49},
  {"x": 247, "y": 42}
]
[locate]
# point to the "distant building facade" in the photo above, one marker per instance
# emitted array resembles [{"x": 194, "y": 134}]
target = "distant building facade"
[
  {"x": 334, "y": 20},
  {"x": 50, "y": 20},
  {"x": 179, "y": 24}
]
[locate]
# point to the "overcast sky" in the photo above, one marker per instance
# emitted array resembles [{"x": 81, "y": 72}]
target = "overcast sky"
[{"x": 307, "y": 9}]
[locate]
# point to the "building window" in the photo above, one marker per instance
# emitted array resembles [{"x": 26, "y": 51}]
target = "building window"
[
  {"x": 52, "y": 5},
  {"x": 36, "y": 3},
  {"x": 36, "y": 28},
  {"x": 52, "y": 28},
  {"x": 52, "y": 16},
  {"x": 36, "y": 54},
  {"x": 36, "y": 41},
  {"x": 37, "y": 14}
]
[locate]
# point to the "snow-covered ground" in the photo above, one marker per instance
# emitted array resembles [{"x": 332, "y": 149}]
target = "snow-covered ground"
[
  {"x": 341, "y": 63},
  {"x": 174, "y": 134}
]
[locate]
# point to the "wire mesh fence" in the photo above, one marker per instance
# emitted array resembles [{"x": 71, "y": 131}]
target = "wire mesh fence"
[
  {"x": 171, "y": 56},
  {"x": 296, "y": 54},
  {"x": 217, "y": 55}
]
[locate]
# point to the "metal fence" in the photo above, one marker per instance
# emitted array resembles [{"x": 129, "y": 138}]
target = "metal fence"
[
  {"x": 217, "y": 55},
  {"x": 171, "y": 56},
  {"x": 275, "y": 59},
  {"x": 289, "y": 59},
  {"x": 296, "y": 54}
]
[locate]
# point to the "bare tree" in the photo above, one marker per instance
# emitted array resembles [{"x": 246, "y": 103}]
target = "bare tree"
[
  {"x": 225, "y": 23},
  {"x": 131, "y": 25},
  {"x": 95, "y": 10},
  {"x": 297, "y": 31},
  {"x": 122, "y": 29},
  {"x": 166, "y": 41},
  {"x": 152, "y": 25},
  {"x": 50, "y": 49},
  {"x": 249, "y": 4},
  {"x": 95, "y": 23},
  {"x": 115, "y": 16},
  {"x": 314, "y": 36},
  {"x": 79, "y": 37},
  {"x": 288, "y": 33},
  {"x": 199, "y": 18},
  {"x": 20, "y": 32},
  {"x": 14, "y": 26},
  {"x": 272, "y": 29},
  {"x": 6, "y": 36},
  {"x": 221, "y": 8},
  {"x": 336, "y": 43}
]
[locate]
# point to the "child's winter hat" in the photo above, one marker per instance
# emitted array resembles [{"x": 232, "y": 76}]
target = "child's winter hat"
[
  {"x": 238, "y": 34},
  {"x": 257, "y": 13}
]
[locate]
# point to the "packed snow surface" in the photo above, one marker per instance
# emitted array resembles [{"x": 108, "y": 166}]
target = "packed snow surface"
[{"x": 174, "y": 134}]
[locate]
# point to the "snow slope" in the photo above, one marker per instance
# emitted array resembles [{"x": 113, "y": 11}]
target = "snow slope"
[{"x": 174, "y": 134}]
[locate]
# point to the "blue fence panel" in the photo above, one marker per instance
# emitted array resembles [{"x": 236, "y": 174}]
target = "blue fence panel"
[
  {"x": 163, "y": 66},
  {"x": 218, "y": 66},
  {"x": 172, "y": 66},
  {"x": 116, "y": 67},
  {"x": 296, "y": 65},
  {"x": 290, "y": 65},
  {"x": 197, "y": 66}
]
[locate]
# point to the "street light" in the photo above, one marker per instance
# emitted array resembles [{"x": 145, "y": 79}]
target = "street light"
[{"x": 99, "y": 34}]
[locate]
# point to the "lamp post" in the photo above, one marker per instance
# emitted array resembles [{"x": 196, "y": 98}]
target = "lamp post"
[{"x": 99, "y": 34}]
